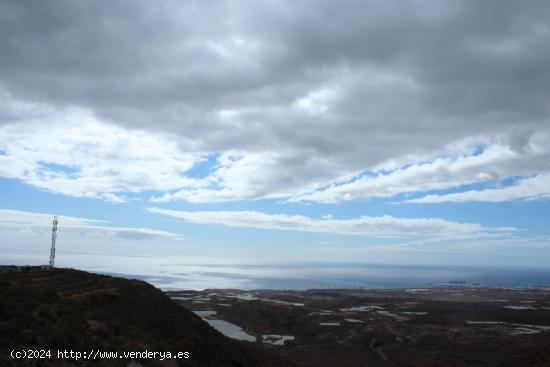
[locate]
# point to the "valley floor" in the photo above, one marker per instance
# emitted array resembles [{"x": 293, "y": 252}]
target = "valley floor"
[{"x": 443, "y": 326}]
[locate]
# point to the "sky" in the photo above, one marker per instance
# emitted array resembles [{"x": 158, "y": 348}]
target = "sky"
[{"x": 403, "y": 132}]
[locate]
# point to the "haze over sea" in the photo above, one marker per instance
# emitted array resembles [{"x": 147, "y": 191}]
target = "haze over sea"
[{"x": 178, "y": 272}]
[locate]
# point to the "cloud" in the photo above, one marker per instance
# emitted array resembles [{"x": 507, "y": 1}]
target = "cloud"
[
  {"x": 533, "y": 188},
  {"x": 86, "y": 158},
  {"x": 535, "y": 242},
  {"x": 41, "y": 223},
  {"x": 438, "y": 174},
  {"x": 384, "y": 226},
  {"x": 473, "y": 164},
  {"x": 304, "y": 96},
  {"x": 243, "y": 176}
]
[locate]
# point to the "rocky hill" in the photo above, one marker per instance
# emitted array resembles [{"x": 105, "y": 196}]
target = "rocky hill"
[{"x": 65, "y": 309}]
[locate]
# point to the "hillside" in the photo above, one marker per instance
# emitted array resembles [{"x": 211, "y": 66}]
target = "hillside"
[{"x": 74, "y": 310}]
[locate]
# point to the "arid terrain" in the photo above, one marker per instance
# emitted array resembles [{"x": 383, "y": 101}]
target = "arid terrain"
[{"x": 451, "y": 325}]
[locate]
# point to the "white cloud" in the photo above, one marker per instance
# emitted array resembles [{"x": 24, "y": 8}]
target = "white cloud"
[
  {"x": 494, "y": 162},
  {"x": 41, "y": 223},
  {"x": 72, "y": 153},
  {"x": 316, "y": 102},
  {"x": 245, "y": 176},
  {"x": 532, "y": 188},
  {"x": 384, "y": 226}
]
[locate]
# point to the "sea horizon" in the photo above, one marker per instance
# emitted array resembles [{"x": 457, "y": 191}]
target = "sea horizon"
[{"x": 184, "y": 273}]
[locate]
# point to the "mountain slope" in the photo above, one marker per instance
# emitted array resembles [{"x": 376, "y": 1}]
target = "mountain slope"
[{"x": 74, "y": 310}]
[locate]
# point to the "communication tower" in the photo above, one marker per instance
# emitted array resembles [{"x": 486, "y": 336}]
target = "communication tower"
[{"x": 54, "y": 236}]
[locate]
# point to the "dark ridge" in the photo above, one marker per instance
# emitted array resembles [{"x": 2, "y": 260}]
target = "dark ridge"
[{"x": 67, "y": 309}]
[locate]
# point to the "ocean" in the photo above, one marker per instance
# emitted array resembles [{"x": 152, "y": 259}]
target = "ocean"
[{"x": 173, "y": 273}]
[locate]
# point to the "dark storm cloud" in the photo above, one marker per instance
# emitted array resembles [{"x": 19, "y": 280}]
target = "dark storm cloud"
[
  {"x": 139, "y": 54},
  {"x": 384, "y": 79}
]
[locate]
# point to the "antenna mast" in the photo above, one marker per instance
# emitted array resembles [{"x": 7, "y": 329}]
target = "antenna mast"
[{"x": 54, "y": 236}]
